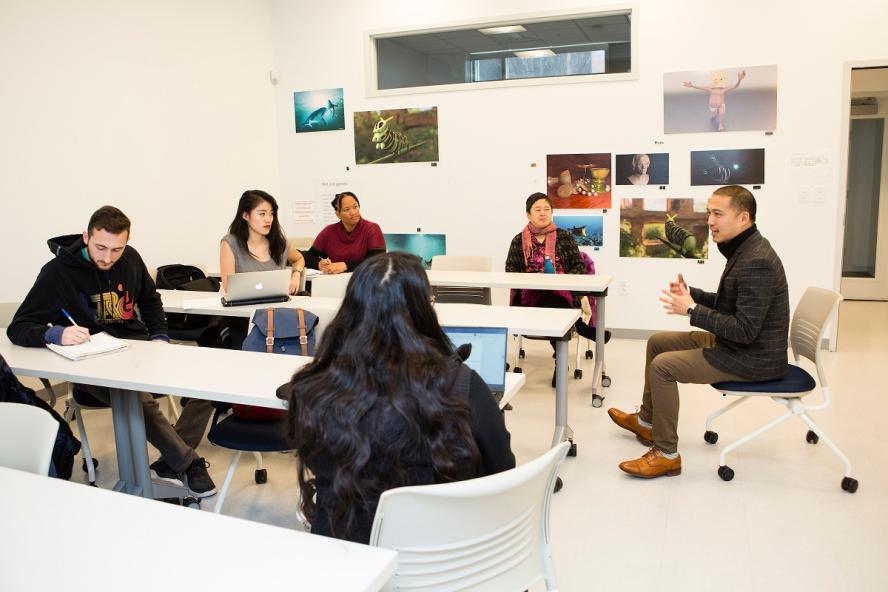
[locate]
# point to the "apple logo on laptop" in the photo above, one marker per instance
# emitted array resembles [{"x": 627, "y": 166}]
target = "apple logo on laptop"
[{"x": 259, "y": 286}]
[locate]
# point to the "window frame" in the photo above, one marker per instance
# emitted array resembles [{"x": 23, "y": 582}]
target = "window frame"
[{"x": 371, "y": 80}]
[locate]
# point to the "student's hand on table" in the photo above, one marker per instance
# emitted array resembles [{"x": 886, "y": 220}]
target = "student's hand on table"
[
  {"x": 332, "y": 268},
  {"x": 294, "y": 282},
  {"x": 75, "y": 335}
]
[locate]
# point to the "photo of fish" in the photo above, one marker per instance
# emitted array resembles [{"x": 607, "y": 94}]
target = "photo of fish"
[
  {"x": 587, "y": 231},
  {"x": 425, "y": 246},
  {"x": 396, "y": 135},
  {"x": 319, "y": 110},
  {"x": 579, "y": 181},
  {"x": 720, "y": 100},
  {"x": 669, "y": 228},
  {"x": 728, "y": 167}
]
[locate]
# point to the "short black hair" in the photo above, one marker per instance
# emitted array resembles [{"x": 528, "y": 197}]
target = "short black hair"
[
  {"x": 338, "y": 198},
  {"x": 742, "y": 199},
  {"x": 110, "y": 219},
  {"x": 535, "y": 197}
]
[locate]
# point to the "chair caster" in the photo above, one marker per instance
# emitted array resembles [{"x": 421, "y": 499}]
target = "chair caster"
[
  {"x": 726, "y": 473},
  {"x": 261, "y": 476},
  {"x": 849, "y": 484},
  {"x": 578, "y": 374},
  {"x": 572, "y": 451},
  {"x": 191, "y": 502},
  {"x": 710, "y": 436},
  {"x": 521, "y": 354},
  {"x": 517, "y": 370},
  {"x": 558, "y": 485},
  {"x": 83, "y": 465},
  {"x": 812, "y": 438},
  {"x": 605, "y": 380},
  {"x": 92, "y": 484},
  {"x": 589, "y": 354},
  {"x": 597, "y": 401}
]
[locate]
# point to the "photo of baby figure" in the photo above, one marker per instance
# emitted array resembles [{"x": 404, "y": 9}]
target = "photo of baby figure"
[{"x": 643, "y": 169}]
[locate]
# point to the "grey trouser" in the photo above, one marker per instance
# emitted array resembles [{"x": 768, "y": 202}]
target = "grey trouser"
[
  {"x": 176, "y": 444},
  {"x": 673, "y": 357}
]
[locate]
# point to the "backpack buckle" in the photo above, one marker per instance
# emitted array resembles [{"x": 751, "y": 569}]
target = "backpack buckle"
[
  {"x": 303, "y": 340},
  {"x": 269, "y": 341}
]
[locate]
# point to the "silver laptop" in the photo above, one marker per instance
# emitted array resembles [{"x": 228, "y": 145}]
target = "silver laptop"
[
  {"x": 488, "y": 356},
  {"x": 257, "y": 287}
]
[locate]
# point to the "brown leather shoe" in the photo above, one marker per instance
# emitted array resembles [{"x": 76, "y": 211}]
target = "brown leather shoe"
[
  {"x": 629, "y": 421},
  {"x": 652, "y": 464}
]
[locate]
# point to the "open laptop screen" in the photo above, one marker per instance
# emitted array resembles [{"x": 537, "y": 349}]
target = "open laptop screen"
[{"x": 489, "y": 350}]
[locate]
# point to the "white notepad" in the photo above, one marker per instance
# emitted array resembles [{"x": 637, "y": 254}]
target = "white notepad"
[{"x": 98, "y": 345}]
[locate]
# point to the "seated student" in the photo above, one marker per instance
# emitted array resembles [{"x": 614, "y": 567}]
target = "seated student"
[
  {"x": 743, "y": 337},
  {"x": 542, "y": 247},
  {"x": 104, "y": 285},
  {"x": 386, "y": 403},
  {"x": 343, "y": 246}
]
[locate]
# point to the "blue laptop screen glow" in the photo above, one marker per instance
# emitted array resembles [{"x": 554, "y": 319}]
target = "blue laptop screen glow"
[{"x": 488, "y": 357}]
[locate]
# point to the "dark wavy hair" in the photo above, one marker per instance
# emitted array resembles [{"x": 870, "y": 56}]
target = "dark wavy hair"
[
  {"x": 383, "y": 361},
  {"x": 277, "y": 242}
]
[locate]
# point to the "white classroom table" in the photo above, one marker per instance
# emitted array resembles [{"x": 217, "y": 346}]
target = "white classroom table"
[
  {"x": 540, "y": 322},
  {"x": 228, "y": 376},
  {"x": 137, "y": 545}
]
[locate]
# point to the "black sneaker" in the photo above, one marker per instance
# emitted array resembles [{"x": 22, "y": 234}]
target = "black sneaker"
[
  {"x": 198, "y": 480},
  {"x": 161, "y": 471}
]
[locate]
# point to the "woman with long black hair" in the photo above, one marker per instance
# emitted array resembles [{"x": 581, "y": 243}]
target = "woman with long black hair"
[{"x": 386, "y": 403}]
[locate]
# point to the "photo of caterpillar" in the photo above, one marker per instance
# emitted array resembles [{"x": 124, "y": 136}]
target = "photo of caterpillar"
[
  {"x": 664, "y": 228},
  {"x": 396, "y": 135}
]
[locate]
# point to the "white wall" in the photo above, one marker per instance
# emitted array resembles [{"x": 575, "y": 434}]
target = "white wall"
[
  {"x": 162, "y": 108},
  {"x": 489, "y": 138}
]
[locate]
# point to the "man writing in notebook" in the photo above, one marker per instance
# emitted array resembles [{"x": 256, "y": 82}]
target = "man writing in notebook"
[
  {"x": 743, "y": 333},
  {"x": 97, "y": 283}
]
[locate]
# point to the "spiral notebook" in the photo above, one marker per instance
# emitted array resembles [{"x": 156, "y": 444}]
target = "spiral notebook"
[{"x": 98, "y": 345}]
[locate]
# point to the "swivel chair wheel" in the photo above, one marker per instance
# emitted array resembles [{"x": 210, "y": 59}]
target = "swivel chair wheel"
[
  {"x": 597, "y": 400},
  {"x": 558, "y": 485},
  {"x": 521, "y": 353},
  {"x": 572, "y": 451},
  {"x": 812, "y": 438},
  {"x": 589, "y": 354},
  {"x": 517, "y": 370},
  {"x": 605, "y": 380},
  {"x": 849, "y": 484},
  {"x": 726, "y": 473},
  {"x": 578, "y": 374},
  {"x": 261, "y": 476},
  {"x": 83, "y": 464},
  {"x": 710, "y": 436},
  {"x": 191, "y": 502}
]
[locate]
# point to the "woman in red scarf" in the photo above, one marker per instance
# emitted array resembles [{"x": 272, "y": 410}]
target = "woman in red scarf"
[
  {"x": 345, "y": 245},
  {"x": 542, "y": 247}
]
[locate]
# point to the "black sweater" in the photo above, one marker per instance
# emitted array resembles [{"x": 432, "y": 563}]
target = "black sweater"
[{"x": 121, "y": 301}]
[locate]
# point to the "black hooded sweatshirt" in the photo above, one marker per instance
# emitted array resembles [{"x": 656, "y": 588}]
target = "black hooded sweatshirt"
[{"x": 121, "y": 301}]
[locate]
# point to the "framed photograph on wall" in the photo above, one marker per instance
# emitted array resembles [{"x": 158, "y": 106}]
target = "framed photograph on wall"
[
  {"x": 728, "y": 167},
  {"x": 319, "y": 110},
  {"x": 670, "y": 228},
  {"x": 642, "y": 169}
]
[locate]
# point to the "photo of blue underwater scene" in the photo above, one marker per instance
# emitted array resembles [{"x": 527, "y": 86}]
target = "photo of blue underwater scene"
[
  {"x": 587, "y": 231},
  {"x": 319, "y": 110},
  {"x": 424, "y": 246}
]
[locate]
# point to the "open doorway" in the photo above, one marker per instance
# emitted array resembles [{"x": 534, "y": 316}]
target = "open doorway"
[{"x": 865, "y": 243}]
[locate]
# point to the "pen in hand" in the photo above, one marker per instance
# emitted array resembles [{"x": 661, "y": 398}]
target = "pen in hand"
[{"x": 73, "y": 322}]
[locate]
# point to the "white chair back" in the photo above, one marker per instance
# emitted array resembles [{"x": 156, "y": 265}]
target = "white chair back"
[
  {"x": 459, "y": 293},
  {"x": 27, "y": 435},
  {"x": 485, "y": 534},
  {"x": 810, "y": 321},
  {"x": 461, "y": 263}
]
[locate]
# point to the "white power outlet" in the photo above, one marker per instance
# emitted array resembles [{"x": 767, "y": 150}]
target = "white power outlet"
[{"x": 624, "y": 287}]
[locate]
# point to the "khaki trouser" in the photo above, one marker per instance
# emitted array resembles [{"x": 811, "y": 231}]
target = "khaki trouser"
[
  {"x": 176, "y": 444},
  {"x": 673, "y": 357}
]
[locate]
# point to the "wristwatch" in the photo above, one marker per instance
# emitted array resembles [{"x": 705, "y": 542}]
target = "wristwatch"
[{"x": 691, "y": 308}]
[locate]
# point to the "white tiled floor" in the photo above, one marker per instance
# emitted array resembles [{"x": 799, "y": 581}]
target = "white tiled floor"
[{"x": 783, "y": 523}]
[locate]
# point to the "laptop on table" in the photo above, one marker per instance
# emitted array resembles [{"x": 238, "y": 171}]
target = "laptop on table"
[
  {"x": 488, "y": 356},
  {"x": 258, "y": 287}
]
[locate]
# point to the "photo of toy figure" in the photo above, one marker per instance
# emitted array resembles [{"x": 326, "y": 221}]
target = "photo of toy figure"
[
  {"x": 579, "y": 181},
  {"x": 642, "y": 169},
  {"x": 424, "y": 246},
  {"x": 724, "y": 167},
  {"x": 319, "y": 110},
  {"x": 396, "y": 135},
  {"x": 728, "y": 99},
  {"x": 665, "y": 228},
  {"x": 587, "y": 231}
]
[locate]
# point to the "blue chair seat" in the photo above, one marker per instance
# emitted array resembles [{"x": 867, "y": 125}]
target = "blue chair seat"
[
  {"x": 249, "y": 435},
  {"x": 796, "y": 381}
]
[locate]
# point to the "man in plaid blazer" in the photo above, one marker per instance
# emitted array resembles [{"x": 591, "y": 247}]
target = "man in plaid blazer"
[{"x": 743, "y": 337}]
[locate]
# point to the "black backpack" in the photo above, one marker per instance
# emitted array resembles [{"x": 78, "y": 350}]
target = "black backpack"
[{"x": 186, "y": 277}]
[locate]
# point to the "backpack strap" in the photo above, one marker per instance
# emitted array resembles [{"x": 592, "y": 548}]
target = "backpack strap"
[
  {"x": 269, "y": 334},
  {"x": 303, "y": 339}
]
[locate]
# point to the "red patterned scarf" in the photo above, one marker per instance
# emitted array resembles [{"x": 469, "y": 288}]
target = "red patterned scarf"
[{"x": 528, "y": 234}]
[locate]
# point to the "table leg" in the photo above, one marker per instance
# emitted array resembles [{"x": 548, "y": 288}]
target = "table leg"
[
  {"x": 562, "y": 430},
  {"x": 598, "y": 370},
  {"x": 132, "y": 449}
]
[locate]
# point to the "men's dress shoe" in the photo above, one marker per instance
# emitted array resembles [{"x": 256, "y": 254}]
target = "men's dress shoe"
[
  {"x": 652, "y": 464},
  {"x": 629, "y": 421}
]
